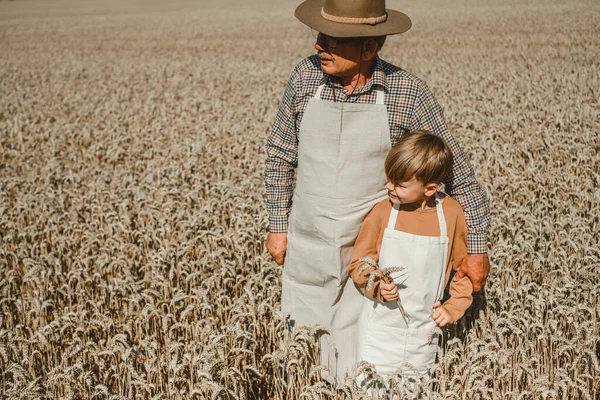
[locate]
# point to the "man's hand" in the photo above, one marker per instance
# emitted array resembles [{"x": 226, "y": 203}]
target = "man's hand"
[
  {"x": 477, "y": 268},
  {"x": 389, "y": 291},
  {"x": 277, "y": 244},
  {"x": 440, "y": 315}
]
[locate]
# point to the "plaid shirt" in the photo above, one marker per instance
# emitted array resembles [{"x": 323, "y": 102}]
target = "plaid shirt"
[{"x": 410, "y": 106}]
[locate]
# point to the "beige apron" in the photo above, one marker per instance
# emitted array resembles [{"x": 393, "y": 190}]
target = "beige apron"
[
  {"x": 340, "y": 177},
  {"x": 384, "y": 339}
]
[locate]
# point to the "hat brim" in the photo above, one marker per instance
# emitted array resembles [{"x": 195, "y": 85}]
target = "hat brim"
[{"x": 309, "y": 13}]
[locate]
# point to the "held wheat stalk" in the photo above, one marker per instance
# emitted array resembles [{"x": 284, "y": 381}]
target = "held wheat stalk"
[{"x": 387, "y": 272}]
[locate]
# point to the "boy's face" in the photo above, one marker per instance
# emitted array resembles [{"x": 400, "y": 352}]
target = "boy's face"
[{"x": 411, "y": 192}]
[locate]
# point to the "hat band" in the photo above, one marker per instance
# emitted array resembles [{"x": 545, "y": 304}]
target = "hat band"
[{"x": 351, "y": 20}]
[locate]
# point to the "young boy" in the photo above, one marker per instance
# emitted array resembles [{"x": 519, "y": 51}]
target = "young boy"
[{"x": 424, "y": 232}]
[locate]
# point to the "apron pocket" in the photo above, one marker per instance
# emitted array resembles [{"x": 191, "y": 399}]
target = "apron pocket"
[
  {"x": 419, "y": 353},
  {"x": 384, "y": 348},
  {"x": 310, "y": 259},
  {"x": 304, "y": 303}
]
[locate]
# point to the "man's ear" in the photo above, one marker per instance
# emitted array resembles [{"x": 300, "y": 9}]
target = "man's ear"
[
  {"x": 430, "y": 189},
  {"x": 369, "y": 49}
]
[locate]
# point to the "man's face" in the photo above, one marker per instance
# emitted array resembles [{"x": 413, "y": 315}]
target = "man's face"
[{"x": 339, "y": 57}]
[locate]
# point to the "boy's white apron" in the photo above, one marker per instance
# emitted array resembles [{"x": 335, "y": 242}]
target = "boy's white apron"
[
  {"x": 340, "y": 177},
  {"x": 384, "y": 339}
]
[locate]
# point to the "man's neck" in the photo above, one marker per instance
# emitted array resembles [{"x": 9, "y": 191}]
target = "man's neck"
[{"x": 359, "y": 79}]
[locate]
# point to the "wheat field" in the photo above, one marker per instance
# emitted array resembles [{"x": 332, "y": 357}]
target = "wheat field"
[{"x": 132, "y": 215}]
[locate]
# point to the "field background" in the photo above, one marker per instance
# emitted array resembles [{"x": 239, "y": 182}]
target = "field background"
[{"x": 131, "y": 197}]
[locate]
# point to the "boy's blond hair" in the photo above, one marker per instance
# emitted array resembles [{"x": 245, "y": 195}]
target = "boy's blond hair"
[{"x": 419, "y": 154}]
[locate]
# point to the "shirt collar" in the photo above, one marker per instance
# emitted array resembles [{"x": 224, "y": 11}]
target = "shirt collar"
[{"x": 379, "y": 77}]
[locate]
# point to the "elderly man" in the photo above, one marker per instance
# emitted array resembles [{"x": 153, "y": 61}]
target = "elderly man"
[{"x": 342, "y": 111}]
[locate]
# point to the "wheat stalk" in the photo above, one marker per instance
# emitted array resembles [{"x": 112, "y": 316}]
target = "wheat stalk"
[{"x": 376, "y": 274}]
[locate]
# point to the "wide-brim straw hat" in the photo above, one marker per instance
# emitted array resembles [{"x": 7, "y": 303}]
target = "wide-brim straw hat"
[{"x": 352, "y": 18}]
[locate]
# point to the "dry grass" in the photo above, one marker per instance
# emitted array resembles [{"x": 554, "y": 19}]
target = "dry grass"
[{"x": 131, "y": 197}]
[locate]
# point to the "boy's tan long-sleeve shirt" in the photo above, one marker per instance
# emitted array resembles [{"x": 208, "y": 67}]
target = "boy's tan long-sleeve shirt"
[{"x": 422, "y": 222}]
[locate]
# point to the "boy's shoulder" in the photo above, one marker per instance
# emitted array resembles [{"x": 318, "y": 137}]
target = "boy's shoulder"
[
  {"x": 381, "y": 210},
  {"x": 452, "y": 206},
  {"x": 384, "y": 206}
]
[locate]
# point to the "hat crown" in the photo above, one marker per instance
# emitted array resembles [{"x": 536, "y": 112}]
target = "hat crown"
[
  {"x": 355, "y": 8},
  {"x": 352, "y": 18}
]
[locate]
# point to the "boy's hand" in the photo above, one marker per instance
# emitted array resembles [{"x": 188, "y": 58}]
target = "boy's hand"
[
  {"x": 389, "y": 291},
  {"x": 440, "y": 315}
]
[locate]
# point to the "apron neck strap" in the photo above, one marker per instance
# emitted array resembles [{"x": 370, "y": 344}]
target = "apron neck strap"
[
  {"x": 440, "y": 214},
  {"x": 393, "y": 216},
  {"x": 319, "y": 90},
  {"x": 380, "y": 94}
]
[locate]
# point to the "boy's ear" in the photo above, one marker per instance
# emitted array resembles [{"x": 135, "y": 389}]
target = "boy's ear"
[{"x": 430, "y": 189}]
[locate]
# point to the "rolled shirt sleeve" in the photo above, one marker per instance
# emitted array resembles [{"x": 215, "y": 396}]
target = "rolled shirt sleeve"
[
  {"x": 282, "y": 158},
  {"x": 460, "y": 183}
]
